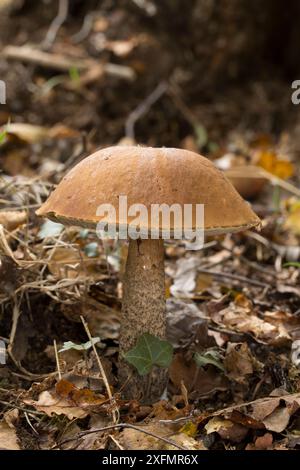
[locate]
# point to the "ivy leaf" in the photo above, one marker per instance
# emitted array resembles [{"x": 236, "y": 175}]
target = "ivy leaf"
[
  {"x": 149, "y": 351},
  {"x": 209, "y": 357},
  {"x": 79, "y": 347}
]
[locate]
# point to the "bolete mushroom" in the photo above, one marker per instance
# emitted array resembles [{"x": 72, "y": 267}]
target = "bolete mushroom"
[{"x": 147, "y": 176}]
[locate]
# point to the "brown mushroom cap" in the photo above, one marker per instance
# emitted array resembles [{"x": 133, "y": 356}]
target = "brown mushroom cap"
[{"x": 148, "y": 176}]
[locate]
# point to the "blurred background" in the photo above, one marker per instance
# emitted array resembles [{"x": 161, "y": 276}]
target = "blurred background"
[{"x": 196, "y": 74}]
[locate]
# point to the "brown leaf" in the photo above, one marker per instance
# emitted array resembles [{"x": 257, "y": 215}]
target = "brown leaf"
[
  {"x": 50, "y": 404},
  {"x": 239, "y": 361},
  {"x": 12, "y": 219},
  {"x": 204, "y": 381},
  {"x": 245, "y": 320},
  {"x": 8, "y": 437},
  {"x": 272, "y": 413},
  {"x": 227, "y": 429},
  {"x": 278, "y": 420},
  {"x": 81, "y": 397},
  {"x": 264, "y": 442},
  {"x": 132, "y": 439},
  {"x": 275, "y": 164}
]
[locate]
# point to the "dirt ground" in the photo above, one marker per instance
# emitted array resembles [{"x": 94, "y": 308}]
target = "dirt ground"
[{"x": 147, "y": 73}]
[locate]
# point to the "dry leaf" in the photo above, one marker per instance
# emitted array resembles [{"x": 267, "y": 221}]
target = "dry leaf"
[
  {"x": 227, "y": 429},
  {"x": 8, "y": 437},
  {"x": 12, "y": 219},
  {"x": 293, "y": 221},
  {"x": 29, "y": 133},
  {"x": 239, "y": 361},
  {"x": 50, "y": 404},
  {"x": 196, "y": 379},
  {"x": 132, "y": 439},
  {"x": 245, "y": 320},
  {"x": 185, "y": 277},
  {"x": 278, "y": 420},
  {"x": 66, "y": 262},
  {"x": 264, "y": 442},
  {"x": 81, "y": 397},
  {"x": 272, "y": 412},
  {"x": 272, "y": 163}
]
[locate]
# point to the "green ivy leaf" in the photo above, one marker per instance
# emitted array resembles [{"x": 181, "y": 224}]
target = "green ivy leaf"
[
  {"x": 149, "y": 351},
  {"x": 209, "y": 357}
]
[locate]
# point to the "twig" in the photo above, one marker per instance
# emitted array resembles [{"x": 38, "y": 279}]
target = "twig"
[
  {"x": 275, "y": 180},
  {"x": 143, "y": 108},
  {"x": 146, "y": 5},
  {"x": 30, "y": 424},
  {"x": 25, "y": 410},
  {"x": 63, "y": 9},
  {"x": 123, "y": 426},
  {"x": 102, "y": 371},
  {"x": 234, "y": 277},
  {"x": 57, "y": 360},
  {"x": 64, "y": 64},
  {"x": 85, "y": 29},
  {"x": 116, "y": 442}
]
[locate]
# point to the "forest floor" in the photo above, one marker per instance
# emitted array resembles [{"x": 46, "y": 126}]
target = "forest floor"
[{"x": 233, "y": 308}]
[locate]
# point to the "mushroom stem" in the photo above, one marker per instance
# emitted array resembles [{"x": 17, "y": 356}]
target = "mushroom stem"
[{"x": 143, "y": 311}]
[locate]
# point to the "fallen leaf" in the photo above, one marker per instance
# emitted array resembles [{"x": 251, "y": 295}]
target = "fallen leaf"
[
  {"x": 80, "y": 397},
  {"x": 264, "y": 442},
  {"x": 103, "y": 321},
  {"x": 190, "y": 429},
  {"x": 53, "y": 405},
  {"x": 278, "y": 420},
  {"x": 227, "y": 429},
  {"x": 132, "y": 439},
  {"x": 196, "y": 379},
  {"x": 12, "y": 219},
  {"x": 239, "y": 362},
  {"x": 271, "y": 413},
  {"x": 293, "y": 221},
  {"x": 68, "y": 262},
  {"x": 29, "y": 133},
  {"x": 276, "y": 165},
  {"x": 183, "y": 318},
  {"x": 8, "y": 437},
  {"x": 245, "y": 320},
  {"x": 185, "y": 277}
]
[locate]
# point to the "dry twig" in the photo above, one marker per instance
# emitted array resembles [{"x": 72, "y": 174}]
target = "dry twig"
[{"x": 102, "y": 371}]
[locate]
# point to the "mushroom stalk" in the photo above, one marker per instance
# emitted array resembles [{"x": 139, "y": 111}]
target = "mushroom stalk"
[{"x": 143, "y": 311}]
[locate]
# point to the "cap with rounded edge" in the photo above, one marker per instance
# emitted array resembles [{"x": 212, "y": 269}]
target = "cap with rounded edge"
[{"x": 148, "y": 176}]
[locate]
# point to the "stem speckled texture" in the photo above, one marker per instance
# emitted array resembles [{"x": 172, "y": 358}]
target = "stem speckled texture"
[{"x": 143, "y": 311}]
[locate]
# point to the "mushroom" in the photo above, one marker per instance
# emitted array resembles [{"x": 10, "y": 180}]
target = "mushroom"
[{"x": 146, "y": 176}]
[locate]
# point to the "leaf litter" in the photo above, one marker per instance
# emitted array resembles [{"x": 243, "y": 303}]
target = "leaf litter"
[{"x": 233, "y": 308}]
